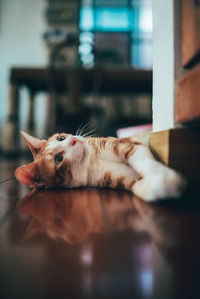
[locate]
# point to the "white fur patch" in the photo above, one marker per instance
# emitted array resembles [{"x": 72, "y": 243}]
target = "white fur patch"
[{"x": 158, "y": 181}]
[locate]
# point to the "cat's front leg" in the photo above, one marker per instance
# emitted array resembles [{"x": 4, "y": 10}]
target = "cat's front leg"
[{"x": 157, "y": 180}]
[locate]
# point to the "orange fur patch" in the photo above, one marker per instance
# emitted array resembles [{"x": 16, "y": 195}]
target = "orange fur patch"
[{"x": 106, "y": 180}]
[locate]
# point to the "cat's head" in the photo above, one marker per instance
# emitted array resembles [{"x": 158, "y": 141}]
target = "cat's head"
[{"x": 57, "y": 161}]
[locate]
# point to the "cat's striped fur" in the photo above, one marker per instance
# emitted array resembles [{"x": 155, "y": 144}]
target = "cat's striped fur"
[{"x": 66, "y": 161}]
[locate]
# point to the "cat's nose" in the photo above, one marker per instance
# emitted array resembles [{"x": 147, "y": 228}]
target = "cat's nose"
[{"x": 73, "y": 141}]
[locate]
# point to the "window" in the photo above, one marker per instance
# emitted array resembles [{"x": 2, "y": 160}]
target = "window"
[{"x": 122, "y": 27}]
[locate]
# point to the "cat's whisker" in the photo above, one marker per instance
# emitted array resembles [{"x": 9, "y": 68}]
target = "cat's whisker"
[
  {"x": 88, "y": 135},
  {"x": 86, "y": 131},
  {"x": 89, "y": 132},
  {"x": 85, "y": 127},
  {"x": 79, "y": 129},
  {"x": 77, "y": 132},
  {"x": 91, "y": 129},
  {"x": 6, "y": 180},
  {"x": 91, "y": 135}
]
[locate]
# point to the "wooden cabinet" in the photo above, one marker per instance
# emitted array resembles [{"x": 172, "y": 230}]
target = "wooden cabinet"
[
  {"x": 187, "y": 60},
  {"x": 188, "y": 96},
  {"x": 190, "y": 32}
]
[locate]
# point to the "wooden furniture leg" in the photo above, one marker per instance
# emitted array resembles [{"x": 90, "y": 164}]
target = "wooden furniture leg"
[
  {"x": 11, "y": 131},
  {"x": 50, "y": 122},
  {"x": 30, "y": 125}
]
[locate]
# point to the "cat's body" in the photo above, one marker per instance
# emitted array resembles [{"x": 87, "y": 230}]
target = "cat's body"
[{"x": 66, "y": 161}]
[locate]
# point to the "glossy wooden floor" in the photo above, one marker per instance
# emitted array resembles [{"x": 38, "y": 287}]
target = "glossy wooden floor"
[{"x": 91, "y": 243}]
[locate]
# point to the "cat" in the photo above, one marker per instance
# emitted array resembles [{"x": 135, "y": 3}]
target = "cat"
[{"x": 67, "y": 161}]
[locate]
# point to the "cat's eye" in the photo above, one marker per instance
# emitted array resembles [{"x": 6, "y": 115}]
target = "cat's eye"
[
  {"x": 61, "y": 138},
  {"x": 58, "y": 159}
]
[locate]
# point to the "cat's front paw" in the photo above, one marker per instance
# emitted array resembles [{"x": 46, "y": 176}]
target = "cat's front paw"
[
  {"x": 160, "y": 186},
  {"x": 142, "y": 190}
]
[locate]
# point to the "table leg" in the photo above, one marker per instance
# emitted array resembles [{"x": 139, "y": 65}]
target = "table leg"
[
  {"x": 30, "y": 124},
  {"x": 11, "y": 131},
  {"x": 50, "y": 123}
]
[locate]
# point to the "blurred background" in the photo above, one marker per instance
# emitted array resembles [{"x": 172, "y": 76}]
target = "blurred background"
[{"x": 67, "y": 63}]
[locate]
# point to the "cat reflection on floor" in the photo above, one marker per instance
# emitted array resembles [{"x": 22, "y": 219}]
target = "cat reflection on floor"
[{"x": 71, "y": 215}]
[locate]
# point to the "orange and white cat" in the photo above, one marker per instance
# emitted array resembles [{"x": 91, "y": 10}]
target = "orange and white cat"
[{"x": 67, "y": 161}]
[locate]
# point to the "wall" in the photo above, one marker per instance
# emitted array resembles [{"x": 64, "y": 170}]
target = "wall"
[
  {"x": 21, "y": 27},
  {"x": 163, "y": 65}
]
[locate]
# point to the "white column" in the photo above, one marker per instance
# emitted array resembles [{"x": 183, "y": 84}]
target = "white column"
[{"x": 163, "y": 65}]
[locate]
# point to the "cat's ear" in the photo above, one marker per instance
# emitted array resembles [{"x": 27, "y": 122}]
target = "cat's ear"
[
  {"x": 34, "y": 144},
  {"x": 28, "y": 174}
]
